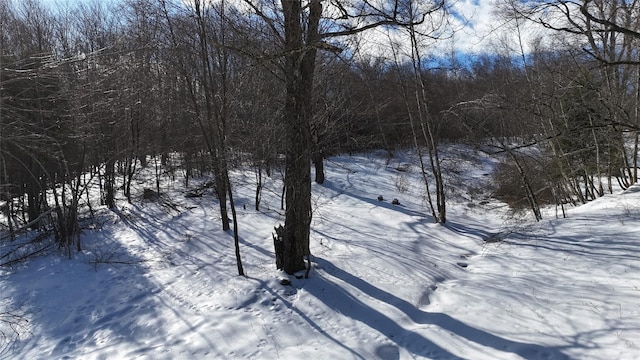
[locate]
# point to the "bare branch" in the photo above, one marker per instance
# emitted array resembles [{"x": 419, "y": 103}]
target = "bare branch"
[
  {"x": 607, "y": 23},
  {"x": 385, "y": 19}
]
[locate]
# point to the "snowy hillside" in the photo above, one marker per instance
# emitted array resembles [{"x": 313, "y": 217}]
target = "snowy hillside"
[{"x": 157, "y": 279}]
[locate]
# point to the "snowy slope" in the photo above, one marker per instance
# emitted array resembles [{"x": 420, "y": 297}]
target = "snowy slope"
[{"x": 158, "y": 282}]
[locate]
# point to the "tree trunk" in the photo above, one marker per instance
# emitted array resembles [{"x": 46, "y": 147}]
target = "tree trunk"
[
  {"x": 109, "y": 184},
  {"x": 258, "y": 187},
  {"x": 221, "y": 192},
  {"x": 299, "y": 70},
  {"x": 236, "y": 237},
  {"x": 414, "y": 133},
  {"x": 318, "y": 162}
]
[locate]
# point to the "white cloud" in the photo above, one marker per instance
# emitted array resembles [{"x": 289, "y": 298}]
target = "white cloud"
[
  {"x": 475, "y": 23},
  {"x": 488, "y": 32},
  {"x": 476, "y": 28}
]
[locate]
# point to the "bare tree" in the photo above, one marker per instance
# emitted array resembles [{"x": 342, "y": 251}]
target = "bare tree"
[
  {"x": 607, "y": 32},
  {"x": 426, "y": 120},
  {"x": 37, "y": 149},
  {"x": 204, "y": 30},
  {"x": 306, "y": 28}
]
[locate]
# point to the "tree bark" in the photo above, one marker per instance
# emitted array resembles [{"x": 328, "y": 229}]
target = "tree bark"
[
  {"x": 318, "y": 163},
  {"x": 109, "y": 184},
  {"x": 300, "y": 60}
]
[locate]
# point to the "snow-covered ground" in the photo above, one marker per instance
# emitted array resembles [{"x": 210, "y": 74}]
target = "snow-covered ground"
[{"x": 157, "y": 279}]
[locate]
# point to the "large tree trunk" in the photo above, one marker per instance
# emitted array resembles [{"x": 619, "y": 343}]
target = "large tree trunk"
[{"x": 299, "y": 69}]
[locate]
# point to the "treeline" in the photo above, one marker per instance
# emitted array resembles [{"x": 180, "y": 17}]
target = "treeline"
[{"x": 94, "y": 90}]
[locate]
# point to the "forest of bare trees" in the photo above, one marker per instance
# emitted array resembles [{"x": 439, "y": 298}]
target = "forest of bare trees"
[{"x": 95, "y": 91}]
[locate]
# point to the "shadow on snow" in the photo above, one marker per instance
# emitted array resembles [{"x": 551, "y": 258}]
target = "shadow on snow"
[
  {"x": 347, "y": 304},
  {"x": 72, "y": 302}
]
